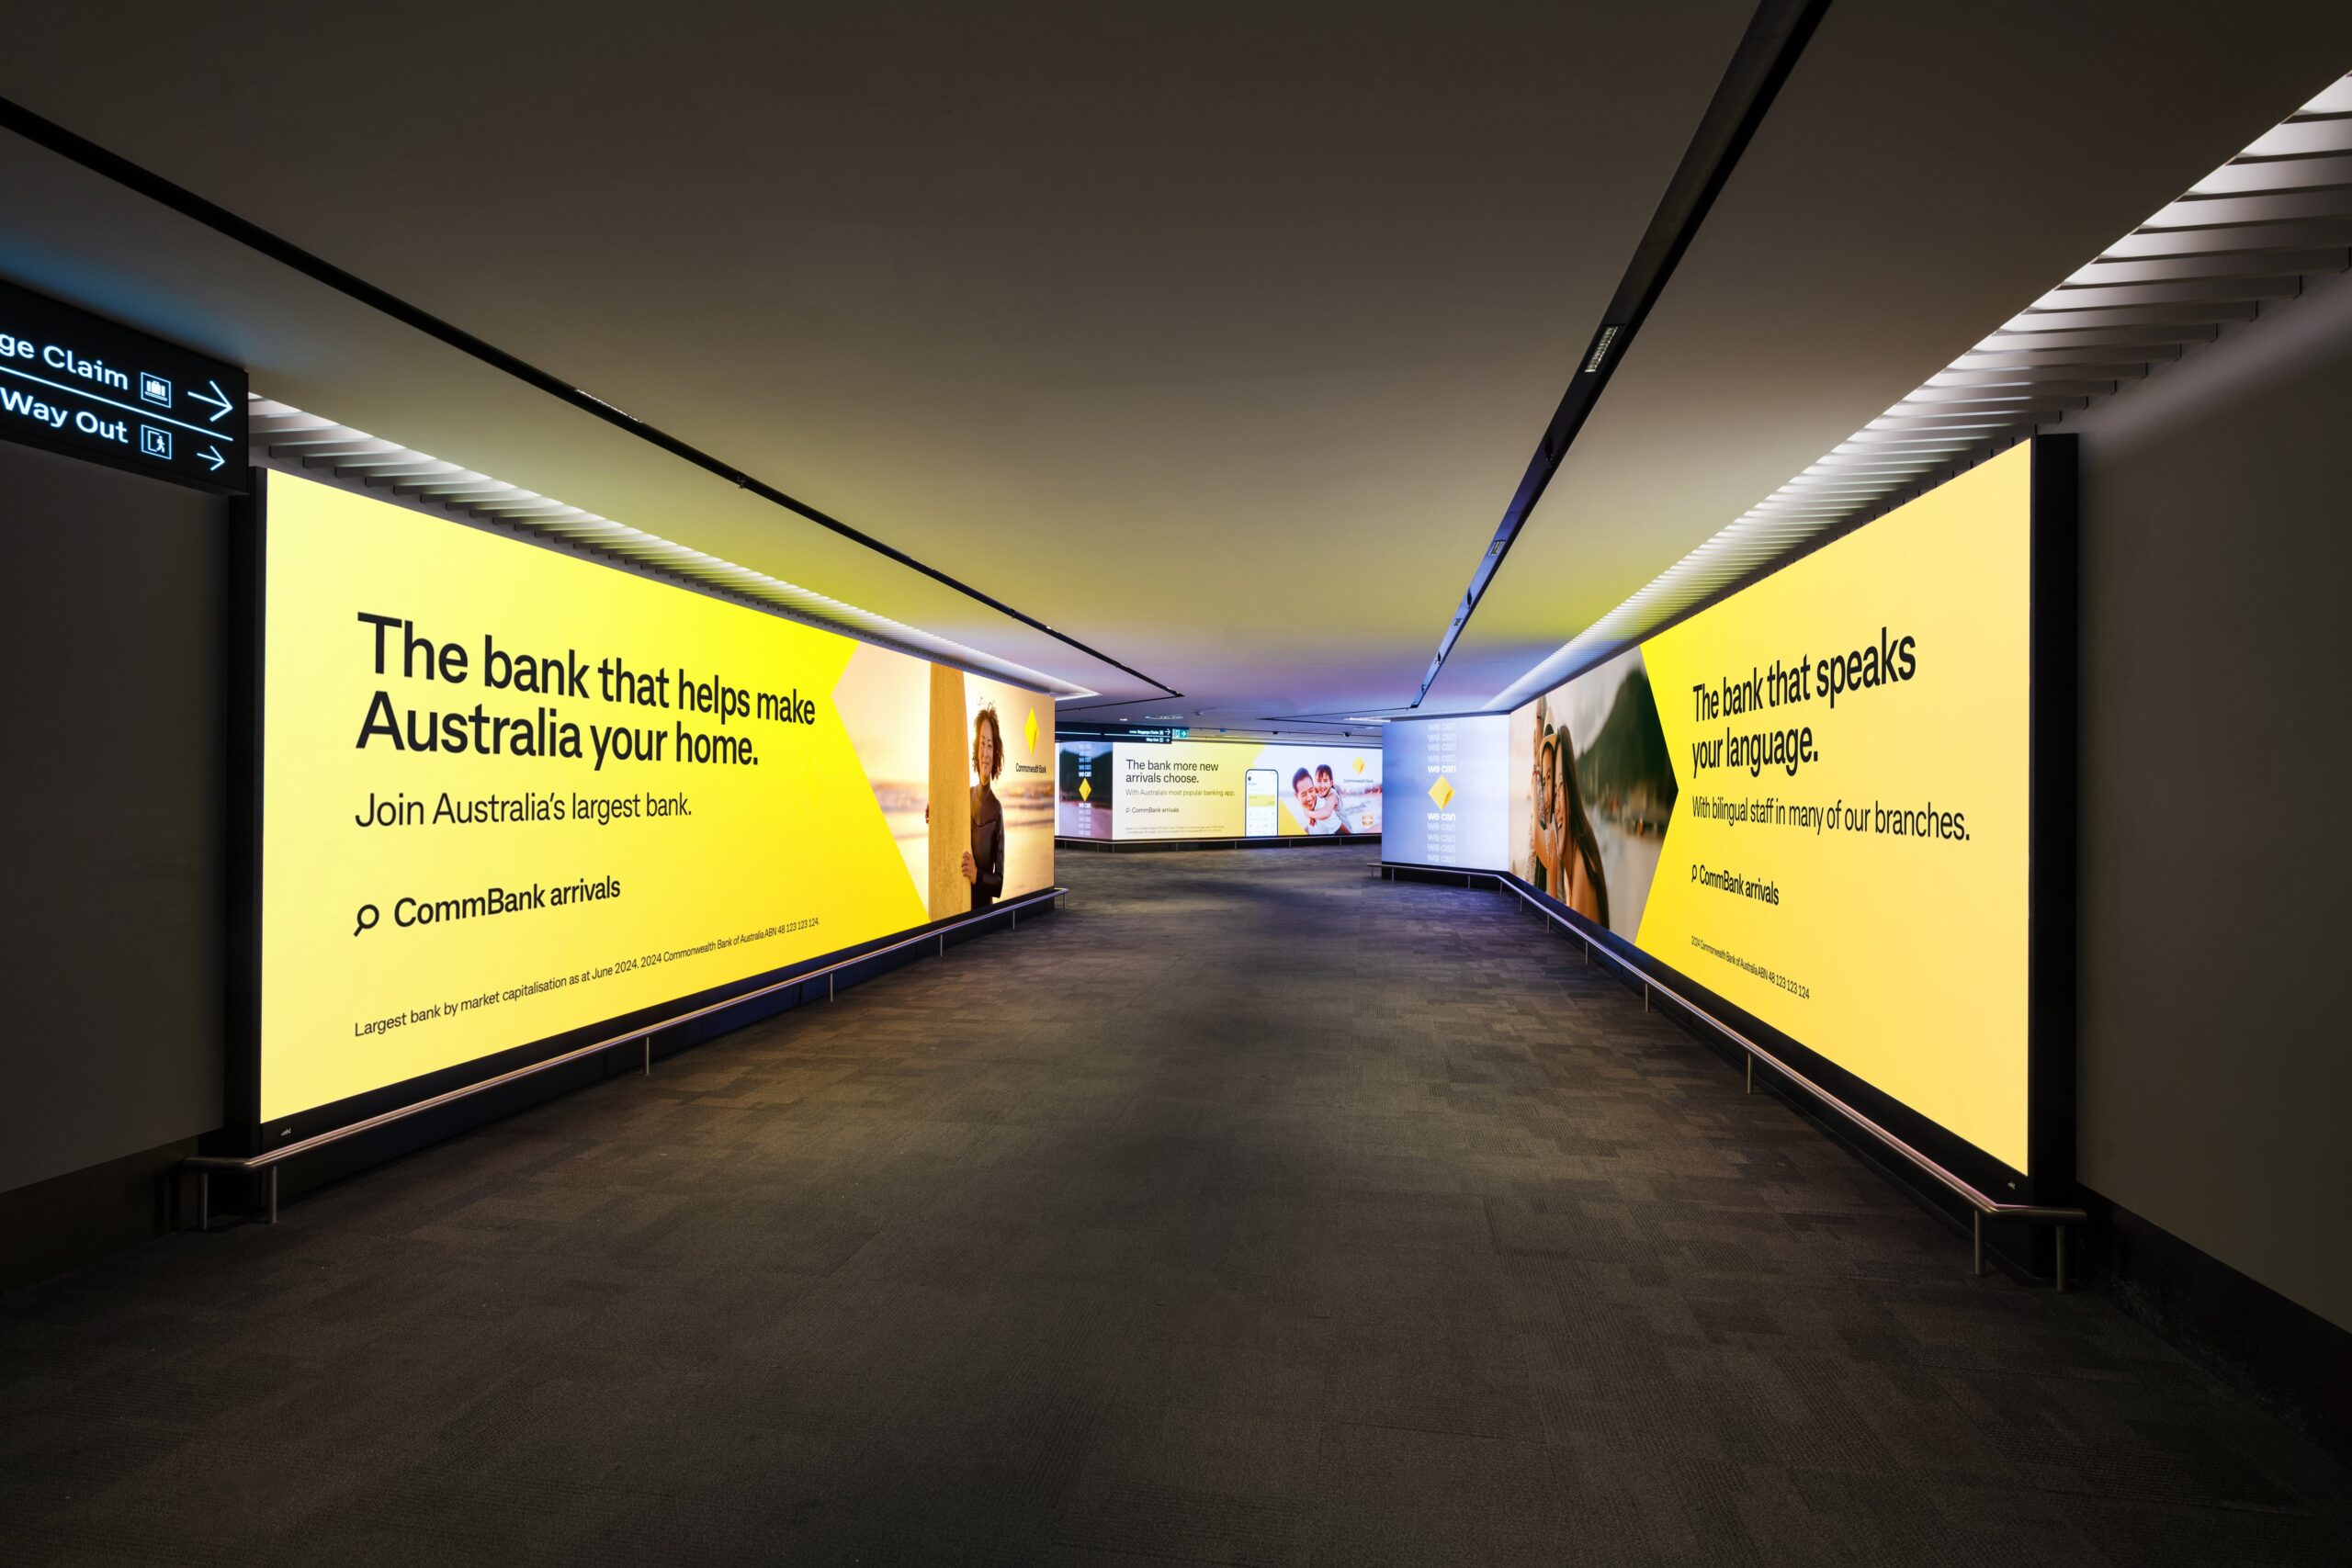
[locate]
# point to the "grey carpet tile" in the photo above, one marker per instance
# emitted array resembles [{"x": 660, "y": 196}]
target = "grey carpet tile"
[{"x": 1251, "y": 1211}]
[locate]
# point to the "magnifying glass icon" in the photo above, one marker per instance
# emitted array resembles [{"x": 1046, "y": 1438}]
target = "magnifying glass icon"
[{"x": 368, "y": 916}]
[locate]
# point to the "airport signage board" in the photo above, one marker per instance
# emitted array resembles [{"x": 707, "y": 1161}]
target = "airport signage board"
[{"x": 94, "y": 388}]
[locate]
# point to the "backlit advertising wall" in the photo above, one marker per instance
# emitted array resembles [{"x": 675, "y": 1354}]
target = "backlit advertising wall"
[
  {"x": 1218, "y": 789},
  {"x": 508, "y": 793},
  {"x": 1086, "y": 780},
  {"x": 1813, "y": 798},
  {"x": 1453, "y": 793}
]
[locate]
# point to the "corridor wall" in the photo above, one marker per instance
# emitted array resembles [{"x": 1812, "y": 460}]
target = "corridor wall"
[
  {"x": 2208, "y": 1073},
  {"x": 513, "y": 799},
  {"x": 2214, "y": 556},
  {"x": 1814, "y": 800},
  {"x": 115, "y": 636}
]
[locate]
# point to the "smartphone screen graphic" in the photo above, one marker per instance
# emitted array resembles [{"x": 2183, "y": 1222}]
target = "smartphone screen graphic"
[{"x": 1258, "y": 804}]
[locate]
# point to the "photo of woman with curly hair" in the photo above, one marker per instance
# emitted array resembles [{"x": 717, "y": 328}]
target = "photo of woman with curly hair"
[
  {"x": 1560, "y": 840},
  {"x": 984, "y": 860},
  {"x": 1588, "y": 826}
]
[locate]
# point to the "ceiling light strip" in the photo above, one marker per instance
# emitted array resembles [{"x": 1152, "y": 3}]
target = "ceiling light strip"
[
  {"x": 294, "y": 439},
  {"x": 2137, "y": 305},
  {"x": 147, "y": 183},
  {"x": 1768, "y": 51}
]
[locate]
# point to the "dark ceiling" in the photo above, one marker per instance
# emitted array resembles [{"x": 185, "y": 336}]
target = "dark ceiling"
[{"x": 1216, "y": 340}]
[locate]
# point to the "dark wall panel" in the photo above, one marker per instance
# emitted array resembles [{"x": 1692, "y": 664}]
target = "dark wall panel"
[
  {"x": 2215, "y": 568},
  {"x": 114, "y": 645}
]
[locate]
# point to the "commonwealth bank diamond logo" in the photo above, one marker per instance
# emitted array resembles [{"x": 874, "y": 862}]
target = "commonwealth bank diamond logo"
[
  {"x": 1359, "y": 764},
  {"x": 1085, "y": 789},
  {"x": 1029, "y": 729},
  {"x": 1442, "y": 791}
]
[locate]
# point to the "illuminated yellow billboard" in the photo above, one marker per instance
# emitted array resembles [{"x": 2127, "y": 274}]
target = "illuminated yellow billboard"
[
  {"x": 1226, "y": 789},
  {"x": 1814, "y": 798},
  {"x": 509, "y": 793}
]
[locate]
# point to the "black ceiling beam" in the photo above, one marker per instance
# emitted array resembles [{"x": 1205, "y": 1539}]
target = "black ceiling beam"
[
  {"x": 1768, "y": 51},
  {"x": 79, "y": 150}
]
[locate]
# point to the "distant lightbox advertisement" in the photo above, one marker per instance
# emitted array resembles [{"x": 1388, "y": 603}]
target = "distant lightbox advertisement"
[
  {"x": 1203, "y": 789},
  {"x": 1815, "y": 799},
  {"x": 1217, "y": 789},
  {"x": 509, "y": 795}
]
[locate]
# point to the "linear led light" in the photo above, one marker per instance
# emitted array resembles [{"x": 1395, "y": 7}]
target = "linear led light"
[
  {"x": 296, "y": 440},
  {"x": 2253, "y": 224}
]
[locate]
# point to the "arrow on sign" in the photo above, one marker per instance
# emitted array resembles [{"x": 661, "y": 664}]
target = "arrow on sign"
[
  {"x": 213, "y": 455},
  {"x": 218, "y": 400}
]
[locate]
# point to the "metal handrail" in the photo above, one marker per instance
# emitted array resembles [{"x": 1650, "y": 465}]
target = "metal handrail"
[
  {"x": 1985, "y": 1205},
  {"x": 269, "y": 1159}
]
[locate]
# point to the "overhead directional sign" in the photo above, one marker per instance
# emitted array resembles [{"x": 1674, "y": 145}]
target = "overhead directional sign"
[{"x": 96, "y": 389}]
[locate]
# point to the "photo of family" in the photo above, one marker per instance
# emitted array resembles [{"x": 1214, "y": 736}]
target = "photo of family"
[
  {"x": 1594, "y": 789},
  {"x": 1316, "y": 806}
]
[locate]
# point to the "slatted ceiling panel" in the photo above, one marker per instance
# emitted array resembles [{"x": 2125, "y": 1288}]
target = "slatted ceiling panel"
[
  {"x": 2277, "y": 174},
  {"x": 294, "y": 439},
  {"x": 2199, "y": 218},
  {"x": 2215, "y": 265},
  {"x": 1994, "y": 420},
  {"x": 2209, "y": 313},
  {"x": 2122, "y": 334},
  {"x": 2337, "y": 100},
  {"x": 2241, "y": 241},
  {"x": 2092, "y": 297},
  {"x": 2224, "y": 235},
  {"x": 2091, "y": 380},
  {"x": 2304, "y": 135}
]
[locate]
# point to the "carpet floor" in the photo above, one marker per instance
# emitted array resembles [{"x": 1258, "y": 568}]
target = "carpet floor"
[{"x": 1251, "y": 1211}]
